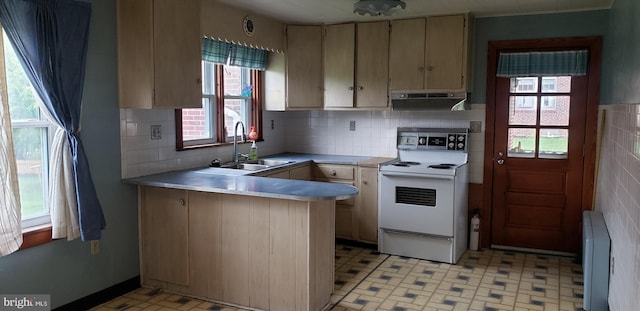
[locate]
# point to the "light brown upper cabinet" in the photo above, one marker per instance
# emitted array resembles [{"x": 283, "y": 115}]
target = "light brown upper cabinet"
[
  {"x": 356, "y": 65},
  {"x": 159, "y": 54},
  {"x": 430, "y": 53},
  {"x": 303, "y": 61}
]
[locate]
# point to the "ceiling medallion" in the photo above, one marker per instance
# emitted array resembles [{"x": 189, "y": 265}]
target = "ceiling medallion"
[
  {"x": 377, "y": 7},
  {"x": 247, "y": 26}
]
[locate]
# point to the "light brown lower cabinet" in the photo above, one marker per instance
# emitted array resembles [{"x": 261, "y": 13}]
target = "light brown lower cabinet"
[
  {"x": 367, "y": 204},
  {"x": 357, "y": 218},
  {"x": 261, "y": 253}
]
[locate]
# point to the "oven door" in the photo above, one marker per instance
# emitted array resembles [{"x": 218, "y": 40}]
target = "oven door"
[{"x": 419, "y": 203}]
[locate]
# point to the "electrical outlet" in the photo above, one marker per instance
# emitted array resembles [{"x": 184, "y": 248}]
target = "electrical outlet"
[
  {"x": 475, "y": 127},
  {"x": 273, "y": 125},
  {"x": 352, "y": 125},
  {"x": 156, "y": 132},
  {"x": 95, "y": 247}
]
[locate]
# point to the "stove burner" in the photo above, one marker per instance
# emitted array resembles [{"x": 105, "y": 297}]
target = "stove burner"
[
  {"x": 405, "y": 163},
  {"x": 442, "y": 166}
]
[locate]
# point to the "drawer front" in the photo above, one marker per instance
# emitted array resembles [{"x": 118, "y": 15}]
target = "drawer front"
[{"x": 333, "y": 171}]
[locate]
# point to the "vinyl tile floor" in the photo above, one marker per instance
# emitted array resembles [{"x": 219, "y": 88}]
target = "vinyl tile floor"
[{"x": 483, "y": 280}]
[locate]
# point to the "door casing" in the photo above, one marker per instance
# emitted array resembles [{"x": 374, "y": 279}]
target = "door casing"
[{"x": 594, "y": 45}]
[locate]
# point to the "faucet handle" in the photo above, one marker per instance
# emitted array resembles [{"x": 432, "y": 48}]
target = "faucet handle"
[{"x": 243, "y": 157}]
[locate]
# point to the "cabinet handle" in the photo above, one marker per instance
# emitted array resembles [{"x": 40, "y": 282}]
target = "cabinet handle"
[
  {"x": 421, "y": 69},
  {"x": 364, "y": 182},
  {"x": 334, "y": 173},
  {"x": 351, "y": 88},
  {"x": 199, "y": 81},
  {"x": 360, "y": 88},
  {"x": 429, "y": 68},
  {"x": 181, "y": 202}
]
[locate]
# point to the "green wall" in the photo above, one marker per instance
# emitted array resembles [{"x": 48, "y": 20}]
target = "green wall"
[
  {"x": 579, "y": 24},
  {"x": 66, "y": 270},
  {"x": 623, "y": 66}
]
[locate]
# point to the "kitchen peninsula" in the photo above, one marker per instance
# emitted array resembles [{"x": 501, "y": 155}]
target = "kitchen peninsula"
[{"x": 263, "y": 243}]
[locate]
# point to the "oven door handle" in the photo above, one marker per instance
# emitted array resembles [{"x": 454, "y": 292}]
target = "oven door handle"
[{"x": 391, "y": 174}]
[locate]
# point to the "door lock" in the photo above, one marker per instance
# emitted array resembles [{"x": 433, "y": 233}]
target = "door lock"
[{"x": 500, "y": 161}]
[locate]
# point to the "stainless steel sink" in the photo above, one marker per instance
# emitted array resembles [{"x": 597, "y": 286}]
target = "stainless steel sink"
[
  {"x": 254, "y": 165},
  {"x": 269, "y": 162}
]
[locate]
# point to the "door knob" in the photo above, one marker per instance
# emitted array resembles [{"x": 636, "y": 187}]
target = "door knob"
[{"x": 500, "y": 161}]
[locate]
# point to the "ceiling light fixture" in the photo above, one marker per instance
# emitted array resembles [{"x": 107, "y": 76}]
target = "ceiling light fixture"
[{"x": 377, "y": 7}]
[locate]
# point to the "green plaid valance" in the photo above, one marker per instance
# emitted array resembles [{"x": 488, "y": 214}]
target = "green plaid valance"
[
  {"x": 557, "y": 63},
  {"x": 215, "y": 51},
  {"x": 221, "y": 52}
]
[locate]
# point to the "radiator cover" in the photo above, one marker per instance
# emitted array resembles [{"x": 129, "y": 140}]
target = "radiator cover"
[{"x": 596, "y": 245}]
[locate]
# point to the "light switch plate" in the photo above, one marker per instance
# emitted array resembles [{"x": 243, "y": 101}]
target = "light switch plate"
[
  {"x": 352, "y": 125},
  {"x": 156, "y": 132}
]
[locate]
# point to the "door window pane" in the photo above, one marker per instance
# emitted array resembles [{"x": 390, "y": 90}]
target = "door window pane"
[
  {"x": 523, "y": 110},
  {"x": 554, "y": 143},
  {"x": 556, "y": 84},
  {"x": 524, "y": 85},
  {"x": 522, "y": 143},
  {"x": 555, "y": 110}
]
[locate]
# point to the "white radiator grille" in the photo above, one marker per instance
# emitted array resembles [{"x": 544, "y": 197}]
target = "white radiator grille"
[{"x": 595, "y": 261}]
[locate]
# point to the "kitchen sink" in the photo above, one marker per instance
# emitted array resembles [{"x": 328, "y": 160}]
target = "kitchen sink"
[{"x": 254, "y": 165}]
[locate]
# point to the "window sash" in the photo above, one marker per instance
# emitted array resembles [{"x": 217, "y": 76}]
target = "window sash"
[{"x": 249, "y": 113}]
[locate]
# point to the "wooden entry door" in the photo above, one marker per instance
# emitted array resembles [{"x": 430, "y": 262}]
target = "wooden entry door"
[{"x": 538, "y": 164}]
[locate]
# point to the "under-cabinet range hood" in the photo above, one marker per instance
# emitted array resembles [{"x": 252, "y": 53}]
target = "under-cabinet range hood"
[{"x": 429, "y": 101}]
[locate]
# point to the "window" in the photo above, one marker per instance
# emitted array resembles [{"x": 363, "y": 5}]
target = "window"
[
  {"x": 229, "y": 94},
  {"x": 32, "y": 134}
]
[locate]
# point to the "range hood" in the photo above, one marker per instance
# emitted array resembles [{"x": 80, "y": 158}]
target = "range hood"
[{"x": 429, "y": 101}]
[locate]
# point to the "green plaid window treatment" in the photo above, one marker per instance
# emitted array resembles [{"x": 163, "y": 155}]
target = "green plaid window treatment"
[
  {"x": 557, "y": 63},
  {"x": 221, "y": 52}
]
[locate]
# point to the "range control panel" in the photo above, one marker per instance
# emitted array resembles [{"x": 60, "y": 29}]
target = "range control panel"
[{"x": 453, "y": 139}]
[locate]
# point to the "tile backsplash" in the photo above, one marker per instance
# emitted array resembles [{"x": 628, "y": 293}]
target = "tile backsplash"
[
  {"x": 315, "y": 131},
  {"x": 618, "y": 197}
]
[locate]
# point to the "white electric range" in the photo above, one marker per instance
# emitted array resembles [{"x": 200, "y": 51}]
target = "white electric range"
[{"x": 422, "y": 195}]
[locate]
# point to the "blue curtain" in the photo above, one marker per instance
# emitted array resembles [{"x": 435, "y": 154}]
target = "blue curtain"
[
  {"x": 50, "y": 38},
  {"x": 557, "y": 63}
]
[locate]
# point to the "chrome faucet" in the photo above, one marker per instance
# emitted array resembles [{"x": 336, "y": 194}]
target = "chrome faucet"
[{"x": 235, "y": 140}]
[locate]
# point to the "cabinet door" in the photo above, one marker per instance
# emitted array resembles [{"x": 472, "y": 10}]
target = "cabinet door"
[
  {"x": 406, "y": 54},
  {"x": 372, "y": 69},
  {"x": 165, "y": 235},
  {"x": 135, "y": 53},
  {"x": 177, "y": 53},
  {"x": 339, "y": 65},
  {"x": 445, "y": 53},
  {"x": 304, "y": 67},
  {"x": 367, "y": 206}
]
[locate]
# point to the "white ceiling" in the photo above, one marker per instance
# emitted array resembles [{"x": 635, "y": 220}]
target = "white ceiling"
[{"x": 337, "y": 11}]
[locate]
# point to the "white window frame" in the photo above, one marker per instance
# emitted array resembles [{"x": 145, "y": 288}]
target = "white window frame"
[{"x": 48, "y": 132}]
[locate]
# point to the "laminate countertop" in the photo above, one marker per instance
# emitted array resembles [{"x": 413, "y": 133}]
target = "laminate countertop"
[{"x": 237, "y": 181}]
